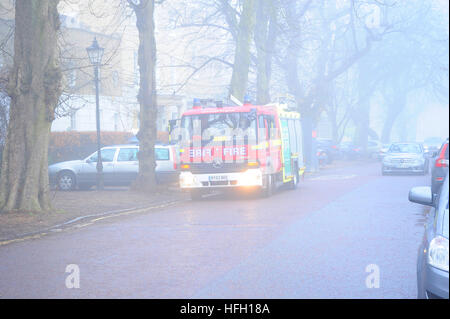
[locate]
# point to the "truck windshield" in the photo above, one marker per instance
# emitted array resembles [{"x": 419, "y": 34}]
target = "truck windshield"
[{"x": 219, "y": 127}]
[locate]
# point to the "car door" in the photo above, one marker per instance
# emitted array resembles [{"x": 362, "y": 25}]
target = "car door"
[
  {"x": 162, "y": 158},
  {"x": 126, "y": 166},
  {"x": 88, "y": 171}
]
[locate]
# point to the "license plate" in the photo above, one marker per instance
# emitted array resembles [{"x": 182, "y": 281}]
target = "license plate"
[
  {"x": 217, "y": 178},
  {"x": 404, "y": 165}
]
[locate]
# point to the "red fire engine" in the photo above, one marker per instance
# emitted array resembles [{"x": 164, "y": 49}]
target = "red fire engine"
[{"x": 248, "y": 146}]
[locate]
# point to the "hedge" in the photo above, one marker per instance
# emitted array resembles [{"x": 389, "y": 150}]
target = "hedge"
[{"x": 66, "y": 146}]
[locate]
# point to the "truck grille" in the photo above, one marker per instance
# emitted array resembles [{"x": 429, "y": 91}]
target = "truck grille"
[{"x": 209, "y": 168}]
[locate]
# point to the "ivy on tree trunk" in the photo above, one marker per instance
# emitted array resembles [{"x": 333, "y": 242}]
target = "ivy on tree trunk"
[
  {"x": 34, "y": 87},
  {"x": 241, "y": 64}
]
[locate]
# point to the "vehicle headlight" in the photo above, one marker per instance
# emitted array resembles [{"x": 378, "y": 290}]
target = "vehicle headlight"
[
  {"x": 251, "y": 177},
  {"x": 438, "y": 253},
  {"x": 387, "y": 160},
  {"x": 187, "y": 179}
]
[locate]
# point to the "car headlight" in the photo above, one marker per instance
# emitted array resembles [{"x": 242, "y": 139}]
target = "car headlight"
[
  {"x": 387, "y": 160},
  {"x": 438, "y": 253}
]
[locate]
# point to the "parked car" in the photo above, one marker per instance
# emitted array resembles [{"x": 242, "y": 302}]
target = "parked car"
[
  {"x": 405, "y": 157},
  {"x": 328, "y": 150},
  {"x": 373, "y": 149},
  {"x": 432, "y": 260},
  {"x": 383, "y": 150},
  {"x": 120, "y": 167},
  {"x": 439, "y": 167},
  {"x": 350, "y": 151},
  {"x": 322, "y": 157},
  {"x": 432, "y": 144}
]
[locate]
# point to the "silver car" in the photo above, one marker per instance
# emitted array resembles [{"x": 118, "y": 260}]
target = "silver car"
[
  {"x": 120, "y": 167},
  {"x": 432, "y": 260},
  {"x": 405, "y": 157}
]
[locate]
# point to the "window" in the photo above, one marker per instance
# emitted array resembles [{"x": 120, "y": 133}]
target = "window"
[
  {"x": 162, "y": 154},
  {"x": 215, "y": 126},
  {"x": 116, "y": 121},
  {"x": 107, "y": 155},
  {"x": 298, "y": 131},
  {"x": 115, "y": 78},
  {"x": 73, "y": 120},
  {"x": 127, "y": 155},
  {"x": 72, "y": 78},
  {"x": 262, "y": 128},
  {"x": 271, "y": 126},
  {"x": 292, "y": 136}
]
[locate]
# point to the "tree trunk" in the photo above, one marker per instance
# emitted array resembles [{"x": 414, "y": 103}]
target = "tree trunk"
[
  {"x": 239, "y": 78},
  {"x": 146, "y": 180},
  {"x": 34, "y": 87},
  {"x": 395, "y": 109},
  {"x": 265, "y": 35}
]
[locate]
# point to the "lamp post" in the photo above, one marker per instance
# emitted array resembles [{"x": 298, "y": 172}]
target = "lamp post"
[{"x": 95, "y": 54}]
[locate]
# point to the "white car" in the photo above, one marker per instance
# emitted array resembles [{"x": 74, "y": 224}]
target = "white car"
[
  {"x": 120, "y": 167},
  {"x": 405, "y": 157}
]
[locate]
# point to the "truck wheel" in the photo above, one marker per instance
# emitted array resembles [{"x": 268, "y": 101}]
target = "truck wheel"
[
  {"x": 268, "y": 190},
  {"x": 294, "y": 182}
]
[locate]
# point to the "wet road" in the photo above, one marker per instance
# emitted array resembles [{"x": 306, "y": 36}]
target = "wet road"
[{"x": 313, "y": 242}]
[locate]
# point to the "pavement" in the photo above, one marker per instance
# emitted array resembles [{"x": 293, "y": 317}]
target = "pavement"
[{"x": 323, "y": 240}]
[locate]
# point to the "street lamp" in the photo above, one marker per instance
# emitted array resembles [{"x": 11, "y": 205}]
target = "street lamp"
[{"x": 95, "y": 54}]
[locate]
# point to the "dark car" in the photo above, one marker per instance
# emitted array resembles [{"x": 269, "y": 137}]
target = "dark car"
[
  {"x": 405, "y": 157},
  {"x": 349, "y": 151},
  {"x": 432, "y": 260},
  {"x": 327, "y": 149},
  {"x": 439, "y": 168}
]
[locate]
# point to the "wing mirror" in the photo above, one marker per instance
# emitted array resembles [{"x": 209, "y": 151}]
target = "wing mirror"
[{"x": 421, "y": 195}]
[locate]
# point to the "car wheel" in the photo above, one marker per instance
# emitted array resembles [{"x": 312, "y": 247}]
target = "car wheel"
[{"x": 66, "y": 181}]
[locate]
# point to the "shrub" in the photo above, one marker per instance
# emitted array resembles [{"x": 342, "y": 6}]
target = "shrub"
[{"x": 66, "y": 146}]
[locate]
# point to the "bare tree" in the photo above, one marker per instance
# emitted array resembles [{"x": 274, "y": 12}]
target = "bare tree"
[{"x": 144, "y": 10}]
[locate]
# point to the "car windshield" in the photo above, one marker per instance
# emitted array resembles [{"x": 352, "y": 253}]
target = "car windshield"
[
  {"x": 215, "y": 126},
  {"x": 405, "y": 148},
  {"x": 107, "y": 155}
]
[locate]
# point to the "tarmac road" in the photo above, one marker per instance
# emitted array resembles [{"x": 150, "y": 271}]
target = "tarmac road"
[{"x": 321, "y": 240}]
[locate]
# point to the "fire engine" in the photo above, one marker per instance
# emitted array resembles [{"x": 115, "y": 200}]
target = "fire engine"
[{"x": 246, "y": 146}]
